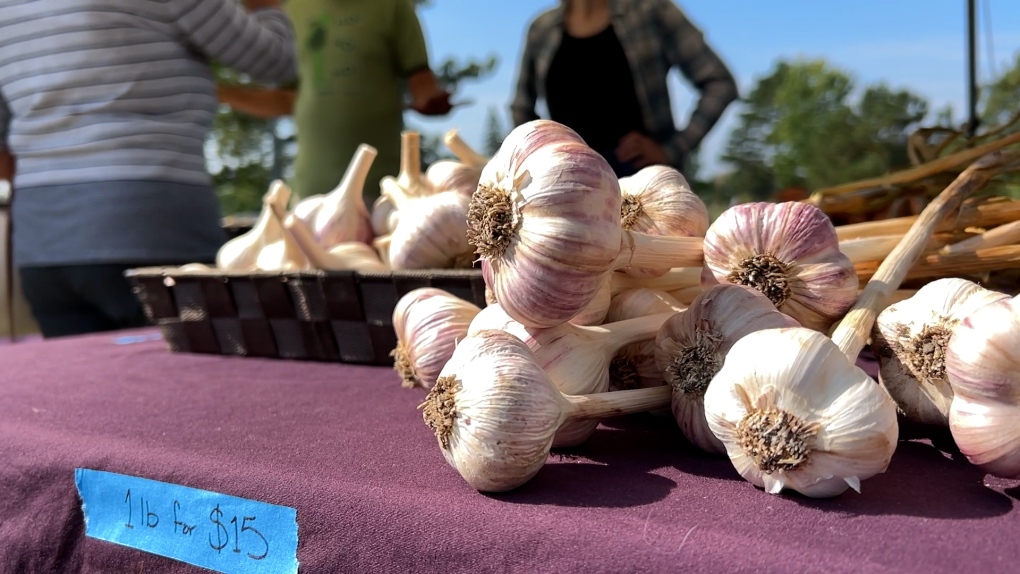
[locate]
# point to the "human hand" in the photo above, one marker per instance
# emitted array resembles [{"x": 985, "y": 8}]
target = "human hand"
[
  {"x": 640, "y": 151},
  {"x": 427, "y": 96}
]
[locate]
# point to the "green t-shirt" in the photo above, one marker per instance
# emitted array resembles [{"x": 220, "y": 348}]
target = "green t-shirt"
[{"x": 353, "y": 57}]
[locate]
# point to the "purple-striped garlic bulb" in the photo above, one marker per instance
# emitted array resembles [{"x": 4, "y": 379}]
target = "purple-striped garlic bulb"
[
  {"x": 787, "y": 251},
  {"x": 495, "y": 412},
  {"x": 428, "y": 323},
  {"x": 575, "y": 358},
  {"x": 983, "y": 363},
  {"x": 546, "y": 220},
  {"x": 431, "y": 231},
  {"x": 658, "y": 201},
  {"x": 691, "y": 348},
  {"x": 910, "y": 340}
]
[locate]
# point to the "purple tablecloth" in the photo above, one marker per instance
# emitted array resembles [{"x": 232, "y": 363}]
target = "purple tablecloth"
[{"x": 346, "y": 447}]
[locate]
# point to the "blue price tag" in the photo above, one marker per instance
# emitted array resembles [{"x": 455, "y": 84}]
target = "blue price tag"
[{"x": 207, "y": 529}]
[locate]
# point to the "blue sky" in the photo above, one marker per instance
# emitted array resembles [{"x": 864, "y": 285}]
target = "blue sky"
[{"x": 915, "y": 44}]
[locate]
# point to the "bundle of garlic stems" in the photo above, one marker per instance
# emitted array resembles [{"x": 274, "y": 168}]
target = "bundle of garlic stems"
[{"x": 790, "y": 406}]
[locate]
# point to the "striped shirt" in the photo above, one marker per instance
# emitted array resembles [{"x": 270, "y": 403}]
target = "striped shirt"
[
  {"x": 656, "y": 36},
  {"x": 117, "y": 96}
]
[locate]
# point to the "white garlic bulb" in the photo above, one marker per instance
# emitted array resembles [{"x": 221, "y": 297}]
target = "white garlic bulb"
[
  {"x": 545, "y": 220},
  {"x": 575, "y": 358},
  {"x": 983, "y": 363},
  {"x": 242, "y": 252},
  {"x": 910, "y": 340},
  {"x": 691, "y": 348},
  {"x": 449, "y": 175},
  {"x": 658, "y": 201},
  {"x": 341, "y": 215},
  {"x": 794, "y": 413},
  {"x": 495, "y": 412},
  {"x": 789, "y": 252},
  {"x": 428, "y": 323},
  {"x": 431, "y": 232},
  {"x": 634, "y": 366},
  {"x": 595, "y": 312}
]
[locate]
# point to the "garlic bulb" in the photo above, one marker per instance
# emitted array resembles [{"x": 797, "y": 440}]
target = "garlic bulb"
[
  {"x": 495, "y": 412},
  {"x": 359, "y": 256},
  {"x": 382, "y": 247},
  {"x": 428, "y": 323},
  {"x": 341, "y": 215},
  {"x": 545, "y": 221},
  {"x": 595, "y": 312},
  {"x": 463, "y": 151},
  {"x": 575, "y": 358},
  {"x": 983, "y": 363},
  {"x": 339, "y": 257},
  {"x": 658, "y": 201},
  {"x": 384, "y": 215},
  {"x": 910, "y": 340},
  {"x": 284, "y": 254},
  {"x": 691, "y": 348},
  {"x": 449, "y": 175},
  {"x": 789, "y": 252},
  {"x": 241, "y": 253},
  {"x": 431, "y": 231},
  {"x": 793, "y": 412}
]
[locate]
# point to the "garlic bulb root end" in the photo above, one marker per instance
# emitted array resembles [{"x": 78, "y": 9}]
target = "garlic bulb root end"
[
  {"x": 439, "y": 409},
  {"x": 496, "y": 222},
  {"x": 404, "y": 367}
]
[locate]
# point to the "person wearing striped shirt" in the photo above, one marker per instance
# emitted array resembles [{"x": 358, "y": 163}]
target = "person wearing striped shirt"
[
  {"x": 601, "y": 67},
  {"x": 105, "y": 107}
]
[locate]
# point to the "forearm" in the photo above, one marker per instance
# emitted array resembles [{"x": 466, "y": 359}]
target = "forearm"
[
  {"x": 6, "y": 165},
  {"x": 260, "y": 103},
  {"x": 716, "y": 96}
]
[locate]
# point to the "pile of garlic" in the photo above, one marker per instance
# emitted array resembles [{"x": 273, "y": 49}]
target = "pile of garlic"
[{"x": 611, "y": 296}]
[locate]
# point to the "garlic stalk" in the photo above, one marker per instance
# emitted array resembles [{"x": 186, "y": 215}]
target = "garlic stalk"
[
  {"x": 789, "y": 252},
  {"x": 1007, "y": 234},
  {"x": 983, "y": 363},
  {"x": 242, "y": 252},
  {"x": 463, "y": 151},
  {"x": 341, "y": 256},
  {"x": 284, "y": 254},
  {"x": 495, "y": 412},
  {"x": 658, "y": 201},
  {"x": 428, "y": 323},
  {"x": 341, "y": 216},
  {"x": 449, "y": 175},
  {"x": 634, "y": 365},
  {"x": 910, "y": 340},
  {"x": 691, "y": 348},
  {"x": 790, "y": 405},
  {"x": 575, "y": 358},
  {"x": 431, "y": 232},
  {"x": 410, "y": 179},
  {"x": 545, "y": 221}
]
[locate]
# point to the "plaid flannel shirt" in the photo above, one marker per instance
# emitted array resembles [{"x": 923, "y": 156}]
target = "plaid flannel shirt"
[{"x": 655, "y": 36}]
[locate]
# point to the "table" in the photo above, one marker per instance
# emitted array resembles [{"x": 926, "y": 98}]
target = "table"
[{"x": 346, "y": 447}]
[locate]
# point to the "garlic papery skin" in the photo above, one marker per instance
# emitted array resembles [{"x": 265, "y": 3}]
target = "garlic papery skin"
[
  {"x": 449, "y": 175},
  {"x": 983, "y": 363},
  {"x": 787, "y": 251},
  {"x": 359, "y": 256},
  {"x": 242, "y": 252},
  {"x": 658, "y": 201},
  {"x": 342, "y": 256},
  {"x": 691, "y": 348},
  {"x": 463, "y": 151},
  {"x": 910, "y": 340},
  {"x": 595, "y": 312},
  {"x": 285, "y": 254},
  {"x": 384, "y": 215},
  {"x": 495, "y": 412},
  {"x": 546, "y": 220},
  {"x": 428, "y": 323},
  {"x": 794, "y": 413},
  {"x": 341, "y": 215},
  {"x": 641, "y": 302},
  {"x": 576, "y": 359},
  {"x": 431, "y": 232}
]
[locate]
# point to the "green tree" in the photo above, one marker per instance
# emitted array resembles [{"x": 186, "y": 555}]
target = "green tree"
[
  {"x": 803, "y": 126},
  {"x": 1001, "y": 98},
  {"x": 494, "y": 133}
]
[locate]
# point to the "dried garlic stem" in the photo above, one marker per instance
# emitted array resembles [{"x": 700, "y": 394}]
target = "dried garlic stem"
[
  {"x": 956, "y": 264},
  {"x": 654, "y": 251},
  {"x": 617, "y": 403},
  {"x": 853, "y": 331},
  {"x": 1003, "y": 235},
  {"x": 462, "y": 150},
  {"x": 676, "y": 278},
  {"x": 983, "y": 213}
]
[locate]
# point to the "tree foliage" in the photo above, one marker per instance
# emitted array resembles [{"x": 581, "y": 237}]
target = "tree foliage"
[{"x": 806, "y": 125}]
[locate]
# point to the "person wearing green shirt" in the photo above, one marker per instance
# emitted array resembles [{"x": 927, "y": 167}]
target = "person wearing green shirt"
[{"x": 355, "y": 60}]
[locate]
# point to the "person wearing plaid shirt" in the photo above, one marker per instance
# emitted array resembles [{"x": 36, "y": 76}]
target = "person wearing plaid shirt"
[{"x": 601, "y": 66}]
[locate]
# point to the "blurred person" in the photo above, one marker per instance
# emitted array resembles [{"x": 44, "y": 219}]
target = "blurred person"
[
  {"x": 601, "y": 66},
  {"x": 355, "y": 61},
  {"x": 105, "y": 106}
]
